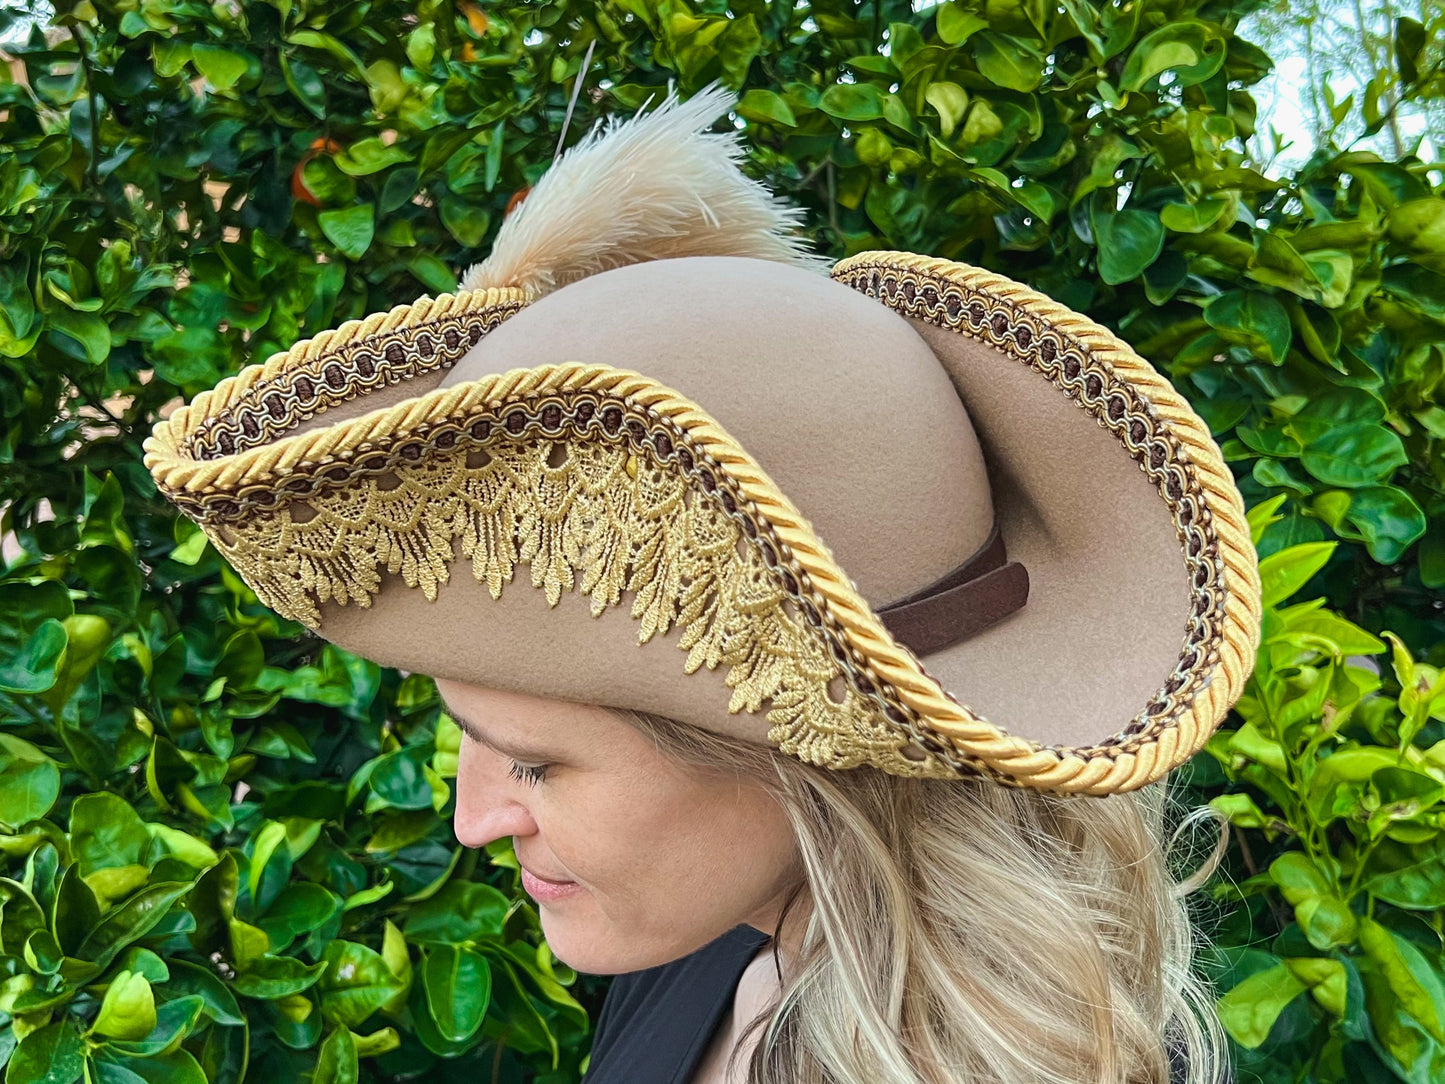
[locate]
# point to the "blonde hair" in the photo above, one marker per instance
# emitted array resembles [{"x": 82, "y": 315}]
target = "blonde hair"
[{"x": 967, "y": 933}]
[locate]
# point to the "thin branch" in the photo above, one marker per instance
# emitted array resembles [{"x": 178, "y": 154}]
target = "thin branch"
[{"x": 93, "y": 168}]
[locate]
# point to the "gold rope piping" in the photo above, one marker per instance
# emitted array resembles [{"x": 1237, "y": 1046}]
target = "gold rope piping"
[
  {"x": 1092, "y": 770},
  {"x": 1241, "y": 630}
]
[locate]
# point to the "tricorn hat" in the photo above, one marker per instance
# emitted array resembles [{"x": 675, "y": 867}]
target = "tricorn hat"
[{"x": 901, "y": 512}]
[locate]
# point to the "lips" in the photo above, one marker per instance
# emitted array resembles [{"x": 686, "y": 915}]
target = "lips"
[{"x": 545, "y": 891}]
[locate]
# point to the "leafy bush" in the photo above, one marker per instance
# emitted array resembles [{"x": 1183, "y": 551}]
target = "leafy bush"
[
  {"x": 1346, "y": 785},
  {"x": 225, "y": 849}
]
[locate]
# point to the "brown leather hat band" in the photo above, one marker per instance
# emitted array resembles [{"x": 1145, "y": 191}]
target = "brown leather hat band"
[{"x": 983, "y": 590}]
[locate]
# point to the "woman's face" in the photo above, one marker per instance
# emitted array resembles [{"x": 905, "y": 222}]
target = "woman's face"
[{"x": 634, "y": 859}]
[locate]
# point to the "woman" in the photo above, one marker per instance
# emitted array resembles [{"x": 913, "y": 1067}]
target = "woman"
[{"x": 955, "y": 574}]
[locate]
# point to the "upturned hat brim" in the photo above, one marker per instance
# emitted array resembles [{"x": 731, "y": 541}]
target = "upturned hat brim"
[{"x": 339, "y": 476}]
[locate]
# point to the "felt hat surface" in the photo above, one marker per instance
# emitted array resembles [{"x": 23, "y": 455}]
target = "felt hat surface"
[{"x": 900, "y": 512}]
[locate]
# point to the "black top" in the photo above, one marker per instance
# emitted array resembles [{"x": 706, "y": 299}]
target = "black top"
[{"x": 656, "y": 1025}]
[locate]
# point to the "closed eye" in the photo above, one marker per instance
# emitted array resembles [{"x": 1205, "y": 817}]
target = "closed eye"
[{"x": 527, "y": 773}]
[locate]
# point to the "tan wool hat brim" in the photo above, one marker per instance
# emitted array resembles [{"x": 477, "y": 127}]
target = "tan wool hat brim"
[{"x": 748, "y": 461}]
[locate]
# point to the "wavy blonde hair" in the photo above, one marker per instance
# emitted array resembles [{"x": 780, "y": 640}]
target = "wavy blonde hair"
[{"x": 967, "y": 933}]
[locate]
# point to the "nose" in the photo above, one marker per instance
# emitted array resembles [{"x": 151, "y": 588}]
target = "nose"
[{"x": 490, "y": 804}]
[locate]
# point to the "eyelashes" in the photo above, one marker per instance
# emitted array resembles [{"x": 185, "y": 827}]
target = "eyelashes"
[{"x": 526, "y": 773}]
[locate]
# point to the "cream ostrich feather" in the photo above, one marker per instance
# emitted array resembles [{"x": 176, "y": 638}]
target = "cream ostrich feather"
[{"x": 649, "y": 187}]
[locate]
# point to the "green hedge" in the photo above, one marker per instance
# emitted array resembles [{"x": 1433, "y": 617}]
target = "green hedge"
[{"x": 224, "y": 846}]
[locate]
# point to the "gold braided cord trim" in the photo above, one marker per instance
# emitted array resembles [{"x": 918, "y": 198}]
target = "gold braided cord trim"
[
  {"x": 215, "y": 488},
  {"x": 678, "y": 556},
  {"x": 1223, "y": 676}
]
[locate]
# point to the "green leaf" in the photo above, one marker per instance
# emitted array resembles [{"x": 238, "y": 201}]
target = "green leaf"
[
  {"x": 29, "y": 782},
  {"x": 175, "y": 1020},
  {"x": 956, "y": 24},
  {"x": 88, "y": 329},
  {"x": 131, "y": 920},
  {"x": 389, "y": 91},
  {"x": 184, "y": 846},
  {"x": 271, "y": 836},
  {"x": 216, "y": 1000},
  {"x": 767, "y": 107},
  {"x": 1356, "y": 455},
  {"x": 75, "y": 913},
  {"x": 432, "y": 273},
  {"x": 368, "y": 896},
  {"x": 222, "y": 67},
  {"x": 273, "y": 977},
  {"x": 1008, "y": 62},
  {"x": 1410, "y": 876},
  {"x": 873, "y": 147},
  {"x": 1242, "y": 811},
  {"x": 315, "y": 39},
  {"x": 338, "y": 1062},
  {"x": 325, "y": 181},
  {"x": 1420, "y": 224},
  {"x": 1192, "y": 50},
  {"x": 53, "y": 1055},
  {"x": 1409, "y": 975},
  {"x": 466, "y": 221},
  {"x": 1261, "y": 516},
  {"x": 1282, "y": 574},
  {"x": 171, "y": 56},
  {"x": 368, "y": 156},
  {"x": 1249, "y": 1010},
  {"x": 1128, "y": 241},
  {"x": 305, "y": 82},
  {"x": 397, "y": 956},
  {"x": 356, "y": 982},
  {"x": 33, "y": 668},
  {"x": 458, "y": 986},
  {"x": 1404, "y": 1045},
  {"x": 1327, "y": 922},
  {"x": 421, "y": 46},
  {"x": 1254, "y": 319},
  {"x": 301, "y": 907},
  {"x": 129, "y": 1008},
  {"x": 1327, "y": 980},
  {"x": 1410, "y": 41},
  {"x": 852, "y": 101},
  {"x": 143, "y": 961},
  {"x": 1299, "y": 878},
  {"x": 106, "y": 832},
  {"x": 1418, "y": 288},
  {"x": 461, "y": 911},
  {"x": 350, "y": 229},
  {"x": 1347, "y": 637},
  {"x": 951, "y": 100},
  {"x": 1194, "y": 217},
  {"x": 175, "y": 1067},
  {"x": 399, "y": 778},
  {"x": 739, "y": 45},
  {"x": 1388, "y": 518}
]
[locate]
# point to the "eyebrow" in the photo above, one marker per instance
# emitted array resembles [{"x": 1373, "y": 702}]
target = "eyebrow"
[{"x": 470, "y": 729}]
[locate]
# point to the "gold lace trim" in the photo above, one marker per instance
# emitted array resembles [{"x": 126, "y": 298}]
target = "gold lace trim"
[
  {"x": 594, "y": 496},
  {"x": 393, "y": 491}
]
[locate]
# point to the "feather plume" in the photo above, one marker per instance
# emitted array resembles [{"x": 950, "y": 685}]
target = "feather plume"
[{"x": 650, "y": 187}]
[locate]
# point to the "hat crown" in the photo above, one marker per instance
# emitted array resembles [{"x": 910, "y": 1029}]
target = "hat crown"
[{"x": 838, "y": 399}]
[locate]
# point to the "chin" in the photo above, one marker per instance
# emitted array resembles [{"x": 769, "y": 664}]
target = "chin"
[{"x": 594, "y": 949}]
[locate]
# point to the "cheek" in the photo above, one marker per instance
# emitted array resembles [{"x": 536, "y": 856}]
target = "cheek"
[
  {"x": 707, "y": 857},
  {"x": 678, "y": 871}
]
